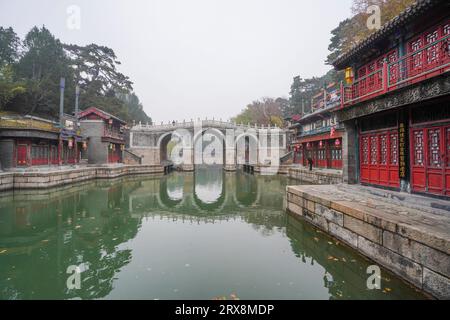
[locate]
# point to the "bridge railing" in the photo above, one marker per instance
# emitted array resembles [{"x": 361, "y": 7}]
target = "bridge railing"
[{"x": 189, "y": 124}]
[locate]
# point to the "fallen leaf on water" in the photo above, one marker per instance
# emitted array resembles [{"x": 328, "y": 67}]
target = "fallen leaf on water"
[
  {"x": 77, "y": 227},
  {"x": 330, "y": 257},
  {"x": 329, "y": 242},
  {"x": 388, "y": 289},
  {"x": 3, "y": 251},
  {"x": 45, "y": 240},
  {"x": 343, "y": 259},
  {"x": 316, "y": 239},
  {"x": 336, "y": 259}
]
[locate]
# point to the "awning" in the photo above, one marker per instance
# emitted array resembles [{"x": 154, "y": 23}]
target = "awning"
[{"x": 324, "y": 136}]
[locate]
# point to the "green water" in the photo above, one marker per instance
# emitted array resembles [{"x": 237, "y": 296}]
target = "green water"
[{"x": 200, "y": 235}]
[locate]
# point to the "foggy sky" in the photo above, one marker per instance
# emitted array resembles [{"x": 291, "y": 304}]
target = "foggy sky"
[{"x": 196, "y": 58}]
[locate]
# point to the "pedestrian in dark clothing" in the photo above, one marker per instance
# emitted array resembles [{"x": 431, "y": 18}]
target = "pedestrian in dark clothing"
[{"x": 310, "y": 163}]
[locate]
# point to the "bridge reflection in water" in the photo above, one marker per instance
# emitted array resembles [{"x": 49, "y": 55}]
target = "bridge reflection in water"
[{"x": 194, "y": 235}]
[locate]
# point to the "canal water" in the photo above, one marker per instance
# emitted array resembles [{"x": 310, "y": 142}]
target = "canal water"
[{"x": 202, "y": 235}]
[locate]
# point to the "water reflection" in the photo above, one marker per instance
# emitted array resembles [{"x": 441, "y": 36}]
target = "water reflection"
[{"x": 187, "y": 235}]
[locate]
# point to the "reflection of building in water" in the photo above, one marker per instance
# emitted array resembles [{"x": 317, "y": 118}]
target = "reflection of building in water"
[
  {"x": 344, "y": 270},
  {"x": 45, "y": 231}
]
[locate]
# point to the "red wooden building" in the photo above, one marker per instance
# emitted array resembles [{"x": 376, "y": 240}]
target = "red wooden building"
[
  {"x": 105, "y": 135},
  {"x": 32, "y": 141},
  {"x": 318, "y": 135},
  {"x": 396, "y": 106}
]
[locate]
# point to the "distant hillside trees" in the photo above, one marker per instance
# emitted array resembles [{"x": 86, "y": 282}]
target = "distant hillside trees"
[{"x": 30, "y": 72}]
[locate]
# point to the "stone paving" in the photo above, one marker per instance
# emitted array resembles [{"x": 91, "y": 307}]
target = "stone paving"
[{"x": 408, "y": 234}]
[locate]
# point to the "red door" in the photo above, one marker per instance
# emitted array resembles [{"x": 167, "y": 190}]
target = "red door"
[
  {"x": 430, "y": 160},
  {"x": 379, "y": 158},
  {"x": 447, "y": 165},
  {"x": 22, "y": 155}
]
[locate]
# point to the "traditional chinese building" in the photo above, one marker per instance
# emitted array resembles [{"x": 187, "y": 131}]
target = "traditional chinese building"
[
  {"x": 396, "y": 104},
  {"x": 318, "y": 135},
  {"x": 105, "y": 135},
  {"x": 27, "y": 141}
]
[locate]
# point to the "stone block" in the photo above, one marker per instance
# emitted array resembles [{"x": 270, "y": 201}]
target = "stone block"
[
  {"x": 309, "y": 205},
  {"x": 347, "y": 209},
  {"x": 363, "y": 229},
  {"x": 398, "y": 264},
  {"x": 425, "y": 237},
  {"x": 420, "y": 253},
  {"x": 315, "y": 219},
  {"x": 294, "y": 208},
  {"x": 330, "y": 214},
  {"x": 436, "y": 284},
  {"x": 343, "y": 234}
]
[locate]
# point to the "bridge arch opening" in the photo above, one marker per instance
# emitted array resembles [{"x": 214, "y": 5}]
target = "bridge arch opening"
[
  {"x": 209, "y": 147},
  {"x": 246, "y": 148}
]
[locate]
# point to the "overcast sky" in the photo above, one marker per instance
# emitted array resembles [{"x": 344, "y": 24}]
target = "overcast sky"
[{"x": 196, "y": 58}]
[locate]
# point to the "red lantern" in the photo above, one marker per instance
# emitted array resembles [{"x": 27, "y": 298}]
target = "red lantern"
[
  {"x": 308, "y": 145},
  {"x": 70, "y": 143},
  {"x": 110, "y": 121},
  {"x": 84, "y": 145},
  {"x": 320, "y": 144},
  {"x": 332, "y": 132},
  {"x": 337, "y": 142}
]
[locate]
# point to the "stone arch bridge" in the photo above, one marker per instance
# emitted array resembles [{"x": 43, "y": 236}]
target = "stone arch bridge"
[{"x": 208, "y": 142}]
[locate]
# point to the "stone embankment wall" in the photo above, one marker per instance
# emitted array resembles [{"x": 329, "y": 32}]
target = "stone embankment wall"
[
  {"x": 411, "y": 243},
  {"x": 37, "y": 180},
  {"x": 315, "y": 176}
]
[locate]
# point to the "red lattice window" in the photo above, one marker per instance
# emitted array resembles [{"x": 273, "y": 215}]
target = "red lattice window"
[
  {"x": 365, "y": 150},
  {"x": 394, "y": 149},
  {"x": 373, "y": 150},
  {"x": 418, "y": 148},
  {"x": 432, "y": 51},
  {"x": 434, "y": 148},
  {"x": 383, "y": 149}
]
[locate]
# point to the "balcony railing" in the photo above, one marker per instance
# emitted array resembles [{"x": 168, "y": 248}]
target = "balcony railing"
[
  {"x": 427, "y": 62},
  {"x": 113, "y": 134}
]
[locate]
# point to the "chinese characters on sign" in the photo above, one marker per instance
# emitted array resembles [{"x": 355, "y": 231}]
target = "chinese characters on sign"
[{"x": 402, "y": 150}]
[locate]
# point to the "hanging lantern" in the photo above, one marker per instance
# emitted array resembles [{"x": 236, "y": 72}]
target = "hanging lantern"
[
  {"x": 110, "y": 146},
  {"x": 114, "y": 147},
  {"x": 320, "y": 144},
  {"x": 308, "y": 145},
  {"x": 110, "y": 121},
  {"x": 84, "y": 145},
  {"x": 337, "y": 142},
  {"x": 333, "y": 131},
  {"x": 70, "y": 143},
  {"x": 122, "y": 147},
  {"x": 349, "y": 76}
]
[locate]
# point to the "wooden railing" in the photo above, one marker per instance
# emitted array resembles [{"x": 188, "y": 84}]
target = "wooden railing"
[
  {"x": 113, "y": 134},
  {"x": 431, "y": 60},
  {"x": 427, "y": 62}
]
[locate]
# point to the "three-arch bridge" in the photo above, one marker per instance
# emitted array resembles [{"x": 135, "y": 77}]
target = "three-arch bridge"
[{"x": 208, "y": 142}]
